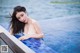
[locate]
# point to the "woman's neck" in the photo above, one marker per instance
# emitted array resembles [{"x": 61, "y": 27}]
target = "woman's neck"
[{"x": 29, "y": 21}]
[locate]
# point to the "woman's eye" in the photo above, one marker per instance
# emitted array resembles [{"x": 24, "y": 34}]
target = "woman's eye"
[
  {"x": 21, "y": 15},
  {"x": 18, "y": 17}
]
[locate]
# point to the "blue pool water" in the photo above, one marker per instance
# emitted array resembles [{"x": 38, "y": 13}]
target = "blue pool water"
[{"x": 59, "y": 22}]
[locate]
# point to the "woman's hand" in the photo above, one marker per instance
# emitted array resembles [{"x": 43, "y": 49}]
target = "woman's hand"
[{"x": 24, "y": 37}]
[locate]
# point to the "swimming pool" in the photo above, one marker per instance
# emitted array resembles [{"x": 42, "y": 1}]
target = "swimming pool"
[{"x": 59, "y": 22}]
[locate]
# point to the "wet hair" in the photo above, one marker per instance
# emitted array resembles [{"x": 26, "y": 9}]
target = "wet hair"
[{"x": 16, "y": 25}]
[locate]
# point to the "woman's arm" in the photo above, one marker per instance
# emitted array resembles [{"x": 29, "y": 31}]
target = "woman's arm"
[{"x": 38, "y": 34}]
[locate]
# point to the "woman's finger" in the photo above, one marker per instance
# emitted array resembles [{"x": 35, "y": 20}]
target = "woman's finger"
[{"x": 20, "y": 38}]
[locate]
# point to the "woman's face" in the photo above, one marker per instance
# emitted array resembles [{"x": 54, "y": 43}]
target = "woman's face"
[{"x": 22, "y": 17}]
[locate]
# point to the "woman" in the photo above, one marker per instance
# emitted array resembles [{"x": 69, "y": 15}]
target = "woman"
[{"x": 27, "y": 31}]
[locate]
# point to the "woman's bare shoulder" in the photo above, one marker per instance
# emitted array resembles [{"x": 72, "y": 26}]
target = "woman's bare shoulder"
[{"x": 33, "y": 20}]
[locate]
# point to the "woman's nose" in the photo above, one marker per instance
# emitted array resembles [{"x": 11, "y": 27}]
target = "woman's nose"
[{"x": 23, "y": 19}]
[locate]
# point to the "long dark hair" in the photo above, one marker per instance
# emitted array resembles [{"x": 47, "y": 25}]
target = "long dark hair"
[{"x": 16, "y": 25}]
